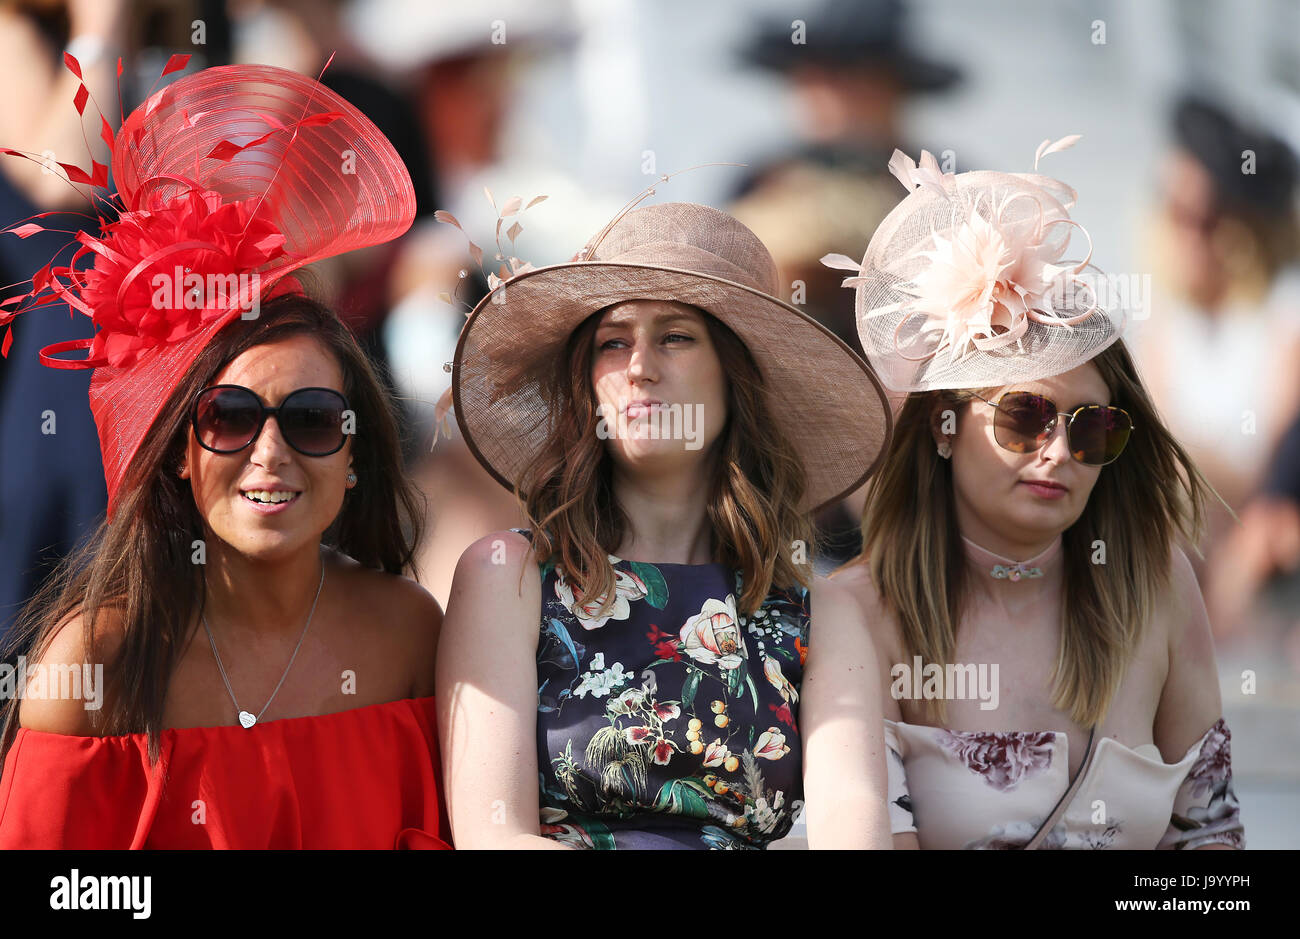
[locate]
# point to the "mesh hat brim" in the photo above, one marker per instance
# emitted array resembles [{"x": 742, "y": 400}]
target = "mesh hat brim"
[{"x": 821, "y": 394}]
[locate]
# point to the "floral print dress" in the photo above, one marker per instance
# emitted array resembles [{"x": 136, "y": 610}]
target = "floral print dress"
[
  {"x": 977, "y": 789},
  {"x": 671, "y": 721}
]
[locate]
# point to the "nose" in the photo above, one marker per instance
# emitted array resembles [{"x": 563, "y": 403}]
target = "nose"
[
  {"x": 270, "y": 449},
  {"x": 641, "y": 363},
  {"x": 1056, "y": 449}
]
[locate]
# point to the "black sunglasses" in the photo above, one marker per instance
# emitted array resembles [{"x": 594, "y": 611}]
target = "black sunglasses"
[
  {"x": 227, "y": 418},
  {"x": 1095, "y": 433}
]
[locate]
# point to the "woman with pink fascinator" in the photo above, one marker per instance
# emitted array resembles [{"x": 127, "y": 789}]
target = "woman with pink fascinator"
[
  {"x": 1049, "y": 667},
  {"x": 651, "y": 664},
  {"x": 234, "y": 660}
]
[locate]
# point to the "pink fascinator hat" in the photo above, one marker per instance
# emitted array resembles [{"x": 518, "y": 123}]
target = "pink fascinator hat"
[{"x": 966, "y": 283}]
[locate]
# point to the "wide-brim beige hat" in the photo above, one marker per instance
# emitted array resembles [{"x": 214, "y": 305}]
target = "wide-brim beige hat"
[{"x": 824, "y": 397}]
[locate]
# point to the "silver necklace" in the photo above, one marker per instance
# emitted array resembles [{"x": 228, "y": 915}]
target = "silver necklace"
[{"x": 246, "y": 718}]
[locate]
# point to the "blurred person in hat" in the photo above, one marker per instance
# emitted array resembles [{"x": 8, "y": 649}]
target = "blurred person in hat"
[
  {"x": 463, "y": 64},
  {"x": 851, "y": 66},
  {"x": 363, "y": 286},
  {"x": 851, "y": 69}
]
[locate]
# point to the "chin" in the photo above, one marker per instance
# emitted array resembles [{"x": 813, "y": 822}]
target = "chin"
[
  {"x": 266, "y": 539},
  {"x": 274, "y": 548},
  {"x": 653, "y": 456},
  {"x": 1046, "y": 520}
]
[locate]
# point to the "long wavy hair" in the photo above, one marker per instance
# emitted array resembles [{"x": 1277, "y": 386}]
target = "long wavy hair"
[
  {"x": 1140, "y": 504},
  {"x": 758, "y": 480},
  {"x": 139, "y": 563}
]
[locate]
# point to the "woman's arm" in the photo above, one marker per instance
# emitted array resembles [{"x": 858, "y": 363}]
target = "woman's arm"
[
  {"x": 67, "y": 652},
  {"x": 1190, "y": 703},
  {"x": 843, "y": 739},
  {"x": 487, "y": 696},
  {"x": 881, "y": 627},
  {"x": 46, "y": 124}
]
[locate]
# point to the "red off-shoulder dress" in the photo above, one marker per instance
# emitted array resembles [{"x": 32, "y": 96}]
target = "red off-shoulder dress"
[{"x": 363, "y": 778}]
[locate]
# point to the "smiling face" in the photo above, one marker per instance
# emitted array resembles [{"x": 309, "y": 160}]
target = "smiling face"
[
  {"x": 242, "y": 496},
  {"x": 658, "y": 383},
  {"x": 1013, "y": 502}
]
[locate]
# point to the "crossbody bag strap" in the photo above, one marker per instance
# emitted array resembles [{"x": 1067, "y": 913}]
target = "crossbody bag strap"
[{"x": 1064, "y": 802}]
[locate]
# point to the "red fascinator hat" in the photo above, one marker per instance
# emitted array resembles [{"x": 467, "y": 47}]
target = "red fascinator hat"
[{"x": 227, "y": 180}]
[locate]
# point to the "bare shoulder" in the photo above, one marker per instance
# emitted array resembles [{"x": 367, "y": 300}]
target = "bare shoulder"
[
  {"x": 832, "y": 598},
  {"x": 501, "y": 561},
  {"x": 403, "y": 608},
  {"x": 66, "y": 653},
  {"x": 1189, "y": 701},
  {"x": 855, "y": 577},
  {"x": 1181, "y": 614},
  {"x": 499, "y": 552},
  {"x": 388, "y": 598},
  {"x": 838, "y": 621},
  {"x": 492, "y": 612}
]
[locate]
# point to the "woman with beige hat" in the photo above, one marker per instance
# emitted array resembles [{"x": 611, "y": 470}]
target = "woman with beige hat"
[{"x": 638, "y": 668}]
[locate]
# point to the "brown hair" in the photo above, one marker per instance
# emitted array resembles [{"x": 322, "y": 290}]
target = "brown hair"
[
  {"x": 758, "y": 479},
  {"x": 1139, "y": 505},
  {"x": 139, "y": 561}
]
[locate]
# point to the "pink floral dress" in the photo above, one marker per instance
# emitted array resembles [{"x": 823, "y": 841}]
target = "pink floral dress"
[{"x": 993, "y": 790}]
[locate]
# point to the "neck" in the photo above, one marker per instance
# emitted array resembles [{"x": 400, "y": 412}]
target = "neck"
[
  {"x": 668, "y": 517},
  {"x": 255, "y": 596},
  {"x": 1013, "y": 567}
]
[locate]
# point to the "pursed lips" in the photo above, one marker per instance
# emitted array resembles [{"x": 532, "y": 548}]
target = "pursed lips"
[
  {"x": 1048, "y": 483},
  {"x": 642, "y": 405}
]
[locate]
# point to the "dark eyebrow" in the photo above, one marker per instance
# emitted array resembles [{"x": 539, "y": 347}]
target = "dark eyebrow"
[{"x": 622, "y": 318}]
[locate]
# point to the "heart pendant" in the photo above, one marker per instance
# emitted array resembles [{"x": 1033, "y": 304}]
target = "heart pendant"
[{"x": 246, "y": 719}]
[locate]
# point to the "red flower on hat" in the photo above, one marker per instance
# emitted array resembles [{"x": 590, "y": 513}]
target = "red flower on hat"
[{"x": 149, "y": 259}]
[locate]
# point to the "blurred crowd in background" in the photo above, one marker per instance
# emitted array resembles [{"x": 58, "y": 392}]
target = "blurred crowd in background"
[{"x": 1187, "y": 175}]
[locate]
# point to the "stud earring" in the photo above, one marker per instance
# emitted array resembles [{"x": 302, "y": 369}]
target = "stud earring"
[
  {"x": 352, "y": 479},
  {"x": 944, "y": 450}
]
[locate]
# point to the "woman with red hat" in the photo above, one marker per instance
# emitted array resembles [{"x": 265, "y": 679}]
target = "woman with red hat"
[
  {"x": 651, "y": 664},
  {"x": 239, "y": 625}
]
